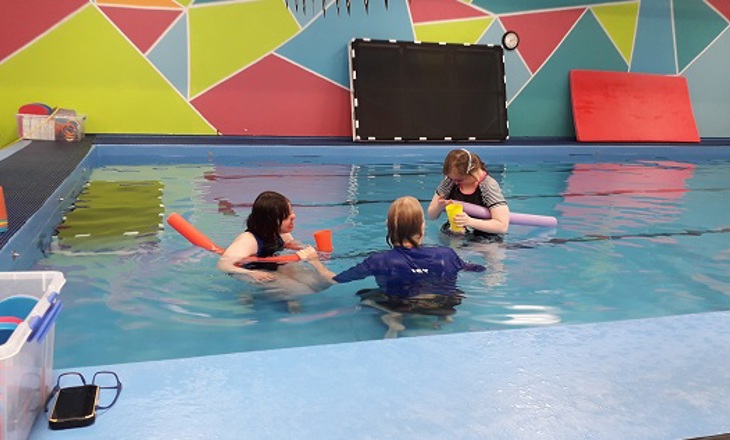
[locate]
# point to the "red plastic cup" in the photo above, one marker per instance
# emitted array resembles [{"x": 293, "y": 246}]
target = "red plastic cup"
[{"x": 323, "y": 239}]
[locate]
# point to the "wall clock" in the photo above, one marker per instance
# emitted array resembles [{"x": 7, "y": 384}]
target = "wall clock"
[{"x": 510, "y": 40}]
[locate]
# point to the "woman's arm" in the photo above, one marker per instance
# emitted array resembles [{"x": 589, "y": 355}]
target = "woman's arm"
[
  {"x": 498, "y": 224},
  {"x": 242, "y": 247},
  {"x": 291, "y": 243},
  {"x": 310, "y": 255},
  {"x": 439, "y": 200},
  {"x": 493, "y": 198},
  {"x": 437, "y": 205}
]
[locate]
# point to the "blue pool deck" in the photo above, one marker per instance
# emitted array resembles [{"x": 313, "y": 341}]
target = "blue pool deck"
[{"x": 661, "y": 378}]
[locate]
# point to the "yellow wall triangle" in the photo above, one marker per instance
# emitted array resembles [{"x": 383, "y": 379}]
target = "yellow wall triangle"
[
  {"x": 458, "y": 31},
  {"x": 619, "y": 21},
  {"x": 66, "y": 68},
  {"x": 226, "y": 37}
]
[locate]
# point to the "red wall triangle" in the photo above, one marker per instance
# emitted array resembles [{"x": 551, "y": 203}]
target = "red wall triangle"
[
  {"x": 540, "y": 33},
  {"x": 276, "y": 97},
  {"x": 22, "y": 22},
  {"x": 721, "y": 5},
  {"x": 439, "y": 10},
  {"x": 142, "y": 26}
]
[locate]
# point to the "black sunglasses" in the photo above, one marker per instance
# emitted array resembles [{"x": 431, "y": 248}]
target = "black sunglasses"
[{"x": 104, "y": 377}]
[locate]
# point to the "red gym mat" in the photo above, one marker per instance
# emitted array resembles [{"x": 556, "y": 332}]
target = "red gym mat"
[{"x": 631, "y": 107}]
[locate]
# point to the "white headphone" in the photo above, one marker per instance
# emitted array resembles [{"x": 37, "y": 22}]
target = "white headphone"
[{"x": 469, "y": 166}]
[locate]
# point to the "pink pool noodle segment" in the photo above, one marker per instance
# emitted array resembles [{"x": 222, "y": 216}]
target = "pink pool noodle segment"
[{"x": 544, "y": 221}]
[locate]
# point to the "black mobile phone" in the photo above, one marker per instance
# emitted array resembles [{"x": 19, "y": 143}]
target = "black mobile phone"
[{"x": 74, "y": 407}]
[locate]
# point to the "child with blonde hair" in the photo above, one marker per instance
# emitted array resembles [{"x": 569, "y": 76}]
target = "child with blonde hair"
[{"x": 411, "y": 278}]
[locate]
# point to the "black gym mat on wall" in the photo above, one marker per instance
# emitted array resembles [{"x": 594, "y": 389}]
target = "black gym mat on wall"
[{"x": 406, "y": 91}]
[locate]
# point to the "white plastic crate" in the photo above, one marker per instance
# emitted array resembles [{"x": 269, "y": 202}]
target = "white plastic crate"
[
  {"x": 26, "y": 358},
  {"x": 71, "y": 128}
]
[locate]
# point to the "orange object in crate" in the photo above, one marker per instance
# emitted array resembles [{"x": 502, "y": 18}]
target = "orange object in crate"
[{"x": 3, "y": 212}]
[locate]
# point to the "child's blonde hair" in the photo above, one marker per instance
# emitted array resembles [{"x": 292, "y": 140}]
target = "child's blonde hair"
[{"x": 405, "y": 222}]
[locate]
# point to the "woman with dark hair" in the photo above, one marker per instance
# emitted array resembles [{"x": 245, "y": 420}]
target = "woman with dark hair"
[
  {"x": 467, "y": 180},
  {"x": 411, "y": 278},
  {"x": 268, "y": 231}
]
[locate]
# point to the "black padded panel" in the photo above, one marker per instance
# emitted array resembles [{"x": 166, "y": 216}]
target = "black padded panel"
[
  {"x": 29, "y": 177},
  {"x": 407, "y": 91}
]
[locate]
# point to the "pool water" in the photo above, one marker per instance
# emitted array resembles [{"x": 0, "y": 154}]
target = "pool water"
[{"x": 635, "y": 239}]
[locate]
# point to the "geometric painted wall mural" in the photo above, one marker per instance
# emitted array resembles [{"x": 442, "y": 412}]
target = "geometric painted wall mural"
[{"x": 278, "y": 68}]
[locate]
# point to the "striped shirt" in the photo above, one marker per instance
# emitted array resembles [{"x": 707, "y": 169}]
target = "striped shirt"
[{"x": 487, "y": 194}]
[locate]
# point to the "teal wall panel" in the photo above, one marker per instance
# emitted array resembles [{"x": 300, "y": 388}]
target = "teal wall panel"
[
  {"x": 654, "y": 46},
  {"x": 695, "y": 26},
  {"x": 322, "y": 46},
  {"x": 170, "y": 55},
  {"x": 708, "y": 86},
  {"x": 515, "y": 69},
  {"x": 543, "y": 107}
]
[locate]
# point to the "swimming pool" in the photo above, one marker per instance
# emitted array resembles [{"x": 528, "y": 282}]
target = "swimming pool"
[{"x": 642, "y": 232}]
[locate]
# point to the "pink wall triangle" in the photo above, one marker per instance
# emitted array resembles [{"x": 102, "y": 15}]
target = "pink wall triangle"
[
  {"x": 721, "y": 5},
  {"x": 439, "y": 10},
  {"x": 276, "y": 97},
  {"x": 22, "y": 22},
  {"x": 142, "y": 26},
  {"x": 540, "y": 33}
]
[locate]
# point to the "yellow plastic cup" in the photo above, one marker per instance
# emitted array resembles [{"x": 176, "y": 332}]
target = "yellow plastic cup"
[{"x": 452, "y": 210}]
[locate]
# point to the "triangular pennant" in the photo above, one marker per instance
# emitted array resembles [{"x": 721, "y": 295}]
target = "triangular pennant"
[
  {"x": 22, "y": 21},
  {"x": 722, "y": 6},
  {"x": 142, "y": 26},
  {"x": 305, "y": 16},
  {"x": 619, "y": 22},
  {"x": 541, "y": 32},
  {"x": 423, "y": 11},
  {"x": 458, "y": 31},
  {"x": 276, "y": 97}
]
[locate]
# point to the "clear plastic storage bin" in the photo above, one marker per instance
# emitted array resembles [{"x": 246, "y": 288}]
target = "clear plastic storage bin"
[
  {"x": 26, "y": 352},
  {"x": 66, "y": 128}
]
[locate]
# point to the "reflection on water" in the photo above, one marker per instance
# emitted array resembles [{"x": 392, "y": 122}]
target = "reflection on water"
[
  {"x": 523, "y": 315},
  {"x": 617, "y": 197},
  {"x": 634, "y": 240}
]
